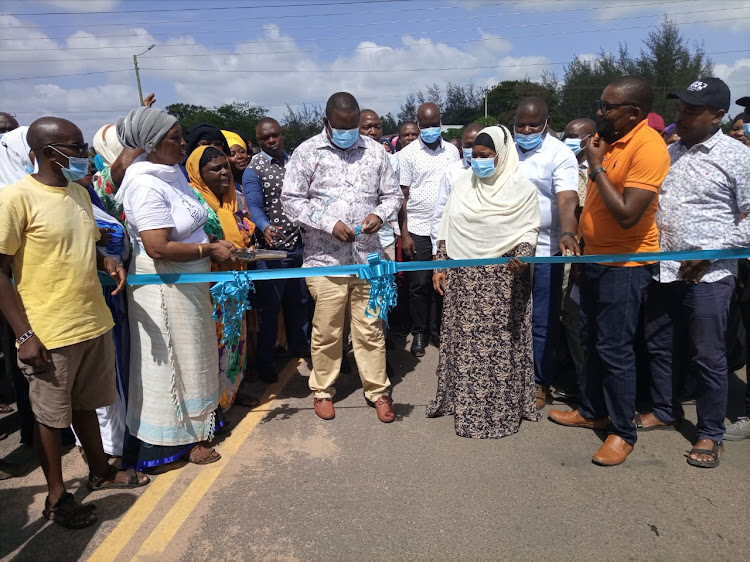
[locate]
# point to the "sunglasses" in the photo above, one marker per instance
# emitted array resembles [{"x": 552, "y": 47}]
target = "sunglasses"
[
  {"x": 606, "y": 107},
  {"x": 82, "y": 149}
]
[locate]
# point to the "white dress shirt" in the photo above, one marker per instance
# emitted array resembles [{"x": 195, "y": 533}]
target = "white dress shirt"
[
  {"x": 421, "y": 170},
  {"x": 553, "y": 168}
]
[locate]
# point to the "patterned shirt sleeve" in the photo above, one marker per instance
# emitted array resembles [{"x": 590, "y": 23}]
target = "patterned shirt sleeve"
[{"x": 295, "y": 195}]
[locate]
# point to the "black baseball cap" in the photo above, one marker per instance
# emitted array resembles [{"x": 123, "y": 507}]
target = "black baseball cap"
[
  {"x": 709, "y": 91},
  {"x": 744, "y": 102}
]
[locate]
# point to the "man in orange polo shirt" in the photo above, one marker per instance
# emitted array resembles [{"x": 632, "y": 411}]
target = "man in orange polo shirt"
[{"x": 628, "y": 161}]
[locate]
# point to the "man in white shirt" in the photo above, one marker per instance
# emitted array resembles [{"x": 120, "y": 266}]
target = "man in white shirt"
[
  {"x": 448, "y": 180},
  {"x": 422, "y": 165},
  {"x": 553, "y": 168}
]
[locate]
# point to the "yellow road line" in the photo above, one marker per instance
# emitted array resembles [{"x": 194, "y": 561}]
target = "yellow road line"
[
  {"x": 181, "y": 510},
  {"x": 132, "y": 521},
  {"x": 134, "y": 518}
]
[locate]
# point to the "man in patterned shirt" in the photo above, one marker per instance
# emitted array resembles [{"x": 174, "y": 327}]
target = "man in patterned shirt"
[
  {"x": 340, "y": 186},
  {"x": 261, "y": 185},
  {"x": 706, "y": 191}
]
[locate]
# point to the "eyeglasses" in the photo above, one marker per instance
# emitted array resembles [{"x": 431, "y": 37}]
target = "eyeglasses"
[
  {"x": 606, "y": 107},
  {"x": 82, "y": 149}
]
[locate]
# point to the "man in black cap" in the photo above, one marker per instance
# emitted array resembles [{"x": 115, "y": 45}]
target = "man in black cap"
[{"x": 707, "y": 187}]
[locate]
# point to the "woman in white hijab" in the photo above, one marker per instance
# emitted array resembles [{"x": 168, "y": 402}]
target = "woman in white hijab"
[
  {"x": 16, "y": 158},
  {"x": 485, "y": 372}
]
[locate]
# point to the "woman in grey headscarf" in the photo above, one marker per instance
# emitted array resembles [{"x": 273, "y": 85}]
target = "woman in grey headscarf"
[{"x": 174, "y": 379}]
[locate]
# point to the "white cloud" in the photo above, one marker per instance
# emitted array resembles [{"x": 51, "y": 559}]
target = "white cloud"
[
  {"x": 737, "y": 77},
  {"x": 78, "y": 6}
]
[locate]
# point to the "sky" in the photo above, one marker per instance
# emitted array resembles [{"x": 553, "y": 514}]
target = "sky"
[{"x": 74, "y": 58}]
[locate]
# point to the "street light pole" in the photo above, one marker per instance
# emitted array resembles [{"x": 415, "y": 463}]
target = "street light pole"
[{"x": 137, "y": 74}]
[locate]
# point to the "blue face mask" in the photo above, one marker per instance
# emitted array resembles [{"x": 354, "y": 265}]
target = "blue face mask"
[
  {"x": 29, "y": 168},
  {"x": 746, "y": 129},
  {"x": 430, "y": 134},
  {"x": 344, "y": 138},
  {"x": 77, "y": 167},
  {"x": 528, "y": 142},
  {"x": 574, "y": 145},
  {"x": 99, "y": 162},
  {"x": 467, "y": 154},
  {"x": 483, "y": 167}
]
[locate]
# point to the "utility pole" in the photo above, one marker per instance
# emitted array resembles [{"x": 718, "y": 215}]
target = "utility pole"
[
  {"x": 485, "y": 98},
  {"x": 138, "y": 76}
]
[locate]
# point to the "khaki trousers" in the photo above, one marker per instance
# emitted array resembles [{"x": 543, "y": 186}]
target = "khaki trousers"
[{"x": 333, "y": 297}]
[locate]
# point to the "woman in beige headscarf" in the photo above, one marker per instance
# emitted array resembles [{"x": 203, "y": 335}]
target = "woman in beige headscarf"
[{"x": 485, "y": 372}]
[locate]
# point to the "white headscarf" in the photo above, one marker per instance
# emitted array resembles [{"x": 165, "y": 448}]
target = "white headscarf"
[
  {"x": 15, "y": 162},
  {"x": 487, "y": 217},
  {"x": 107, "y": 144}
]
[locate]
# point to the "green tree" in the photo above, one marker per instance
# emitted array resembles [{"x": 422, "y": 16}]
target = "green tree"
[
  {"x": 301, "y": 124},
  {"x": 240, "y": 117},
  {"x": 503, "y": 99},
  {"x": 388, "y": 123},
  {"x": 667, "y": 60}
]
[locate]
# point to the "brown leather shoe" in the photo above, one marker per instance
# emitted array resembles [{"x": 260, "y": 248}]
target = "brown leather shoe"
[
  {"x": 613, "y": 451},
  {"x": 384, "y": 409},
  {"x": 542, "y": 396},
  {"x": 324, "y": 408},
  {"x": 575, "y": 419}
]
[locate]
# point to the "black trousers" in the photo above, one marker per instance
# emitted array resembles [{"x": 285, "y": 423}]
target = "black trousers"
[{"x": 425, "y": 305}]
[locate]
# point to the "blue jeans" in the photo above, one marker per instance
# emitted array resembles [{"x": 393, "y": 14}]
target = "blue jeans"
[
  {"x": 546, "y": 301},
  {"x": 689, "y": 320},
  {"x": 611, "y": 300},
  {"x": 289, "y": 295}
]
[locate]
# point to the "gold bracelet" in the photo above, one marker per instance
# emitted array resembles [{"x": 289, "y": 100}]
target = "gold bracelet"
[{"x": 200, "y": 251}]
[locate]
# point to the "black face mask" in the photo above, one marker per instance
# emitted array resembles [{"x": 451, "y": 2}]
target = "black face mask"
[{"x": 606, "y": 130}]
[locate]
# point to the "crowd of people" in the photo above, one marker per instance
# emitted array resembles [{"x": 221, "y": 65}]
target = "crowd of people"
[{"x": 146, "y": 373}]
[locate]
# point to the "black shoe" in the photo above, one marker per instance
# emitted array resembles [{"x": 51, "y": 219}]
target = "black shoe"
[
  {"x": 435, "y": 340},
  {"x": 417, "y": 345}
]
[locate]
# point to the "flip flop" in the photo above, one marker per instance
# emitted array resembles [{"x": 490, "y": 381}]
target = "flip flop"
[{"x": 639, "y": 425}]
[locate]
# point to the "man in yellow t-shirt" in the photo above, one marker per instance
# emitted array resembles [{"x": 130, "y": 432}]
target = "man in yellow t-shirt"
[
  {"x": 57, "y": 310},
  {"x": 628, "y": 161}
]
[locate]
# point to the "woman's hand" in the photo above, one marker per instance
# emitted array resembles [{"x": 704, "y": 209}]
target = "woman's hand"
[
  {"x": 222, "y": 251},
  {"x": 438, "y": 283},
  {"x": 517, "y": 266},
  {"x": 105, "y": 236}
]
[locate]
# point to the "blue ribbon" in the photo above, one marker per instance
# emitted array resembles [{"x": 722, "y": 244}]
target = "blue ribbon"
[
  {"x": 232, "y": 288},
  {"x": 383, "y": 291},
  {"x": 354, "y": 270},
  {"x": 230, "y": 303}
]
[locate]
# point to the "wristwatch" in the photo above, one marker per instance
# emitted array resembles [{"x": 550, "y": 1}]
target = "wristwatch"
[
  {"x": 594, "y": 173},
  {"x": 24, "y": 337}
]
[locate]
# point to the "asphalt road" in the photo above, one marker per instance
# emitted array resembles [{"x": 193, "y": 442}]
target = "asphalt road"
[{"x": 294, "y": 487}]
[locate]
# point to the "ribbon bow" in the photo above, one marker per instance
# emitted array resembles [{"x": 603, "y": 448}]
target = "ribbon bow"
[
  {"x": 230, "y": 303},
  {"x": 383, "y": 290}
]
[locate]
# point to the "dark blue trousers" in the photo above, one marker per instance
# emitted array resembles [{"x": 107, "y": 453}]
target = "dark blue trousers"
[
  {"x": 611, "y": 300},
  {"x": 546, "y": 300},
  {"x": 289, "y": 295},
  {"x": 686, "y": 320}
]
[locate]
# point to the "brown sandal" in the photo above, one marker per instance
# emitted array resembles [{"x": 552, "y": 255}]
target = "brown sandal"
[
  {"x": 214, "y": 456},
  {"x": 68, "y": 513},
  {"x": 98, "y": 482}
]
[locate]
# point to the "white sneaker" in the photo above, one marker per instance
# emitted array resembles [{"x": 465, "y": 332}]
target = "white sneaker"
[{"x": 738, "y": 430}]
